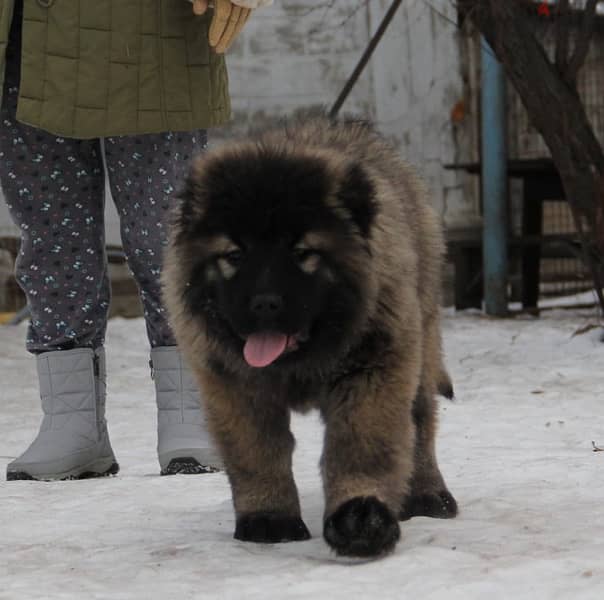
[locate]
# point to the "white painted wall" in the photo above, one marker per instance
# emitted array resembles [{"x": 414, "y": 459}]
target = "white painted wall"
[
  {"x": 298, "y": 53},
  {"x": 417, "y": 83}
]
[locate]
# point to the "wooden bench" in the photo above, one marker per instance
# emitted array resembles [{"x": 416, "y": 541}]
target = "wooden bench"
[{"x": 541, "y": 183}]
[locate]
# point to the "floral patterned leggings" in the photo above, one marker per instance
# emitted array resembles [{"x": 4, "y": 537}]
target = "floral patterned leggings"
[{"x": 55, "y": 188}]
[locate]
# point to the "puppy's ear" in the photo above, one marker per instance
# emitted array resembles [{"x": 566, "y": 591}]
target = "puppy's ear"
[
  {"x": 357, "y": 194},
  {"x": 190, "y": 207}
]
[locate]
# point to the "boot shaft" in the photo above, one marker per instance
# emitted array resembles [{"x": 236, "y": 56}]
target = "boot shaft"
[
  {"x": 72, "y": 386},
  {"x": 183, "y": 442},
  {"x": 176, "y": 390}
]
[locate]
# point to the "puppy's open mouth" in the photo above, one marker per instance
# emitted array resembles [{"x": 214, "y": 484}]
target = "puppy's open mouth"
[{"x": 264, "y": 348}]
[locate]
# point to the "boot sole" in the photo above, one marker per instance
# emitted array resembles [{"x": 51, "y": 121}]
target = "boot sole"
[
  {"x": 90, "y": 471},
  {"x": 187, "y": 466}
]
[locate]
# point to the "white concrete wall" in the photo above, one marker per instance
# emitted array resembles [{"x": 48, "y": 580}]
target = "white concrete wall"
[
  {"x": 300, "y": 53},
  {"x": 417, "y": 82}
]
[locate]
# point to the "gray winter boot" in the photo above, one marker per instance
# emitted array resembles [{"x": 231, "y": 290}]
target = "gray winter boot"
[
  {"x": 183, "y": 442},
  {"x": 73, "y": 442}
]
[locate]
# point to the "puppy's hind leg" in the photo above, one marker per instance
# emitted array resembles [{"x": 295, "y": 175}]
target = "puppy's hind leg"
[{"x": 428, "y": 496}]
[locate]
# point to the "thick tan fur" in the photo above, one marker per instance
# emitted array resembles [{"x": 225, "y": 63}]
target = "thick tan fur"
[{"x": 380, "y": 421}]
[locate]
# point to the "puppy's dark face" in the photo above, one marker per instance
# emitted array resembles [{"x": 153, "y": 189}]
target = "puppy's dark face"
[{"x": 280, "y": 257}]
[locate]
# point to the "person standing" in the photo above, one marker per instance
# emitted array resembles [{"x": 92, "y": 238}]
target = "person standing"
[{"x": 127, "y": 90}]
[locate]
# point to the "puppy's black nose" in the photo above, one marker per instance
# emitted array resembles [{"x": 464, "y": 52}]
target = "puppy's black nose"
[{"x": 266, "y": 305}]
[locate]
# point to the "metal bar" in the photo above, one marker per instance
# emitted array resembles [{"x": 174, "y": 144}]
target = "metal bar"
[
  {"x": 494, "y": 184},
  {"x": 532, "y": 225},
  {"x": 375, "y": 40}
]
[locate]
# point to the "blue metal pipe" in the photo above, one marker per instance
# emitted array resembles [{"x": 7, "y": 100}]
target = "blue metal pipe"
[{"x": 494, "y": 183}]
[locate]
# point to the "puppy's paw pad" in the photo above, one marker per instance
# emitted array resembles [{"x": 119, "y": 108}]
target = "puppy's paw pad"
[
  {"x": 439, "y": 505},
  {"x": 362, "y": 527},
  {"x": 270, "y": 528}
]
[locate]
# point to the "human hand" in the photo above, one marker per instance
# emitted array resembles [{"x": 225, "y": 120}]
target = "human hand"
[
  {"x": 228, "y": 19},
  {"x": 200, "y": 6}
]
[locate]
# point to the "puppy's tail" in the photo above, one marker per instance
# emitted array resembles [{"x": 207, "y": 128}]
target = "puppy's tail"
[{"x": 445, "y": 385}]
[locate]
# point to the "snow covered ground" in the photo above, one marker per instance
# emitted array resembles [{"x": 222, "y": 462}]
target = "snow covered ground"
[{"x": 516, "y": 449}]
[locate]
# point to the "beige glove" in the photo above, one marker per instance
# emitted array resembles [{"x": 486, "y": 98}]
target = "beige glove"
[
  {"x": 228, "y": 19},
  {"x": 252, "y": 3}
]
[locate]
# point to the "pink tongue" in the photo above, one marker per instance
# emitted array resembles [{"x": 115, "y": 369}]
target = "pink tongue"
[{"x": 261, "y": 349}]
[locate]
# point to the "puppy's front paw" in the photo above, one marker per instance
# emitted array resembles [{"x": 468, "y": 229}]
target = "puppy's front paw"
[
  {"x": 362, "y": 527},
  {"x": 439, "y": 505},
  {"x": 270, "y": 528}
]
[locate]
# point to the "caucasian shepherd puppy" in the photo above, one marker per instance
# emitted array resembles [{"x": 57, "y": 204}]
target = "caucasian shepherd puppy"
[{"x": 304, "y": 271}]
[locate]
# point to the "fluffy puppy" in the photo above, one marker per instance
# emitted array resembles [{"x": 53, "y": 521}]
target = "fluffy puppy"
[{"x": 303, "y": 271}]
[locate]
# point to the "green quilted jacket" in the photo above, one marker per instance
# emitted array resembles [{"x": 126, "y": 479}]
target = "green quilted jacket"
[{"x": 95, "y": 68}]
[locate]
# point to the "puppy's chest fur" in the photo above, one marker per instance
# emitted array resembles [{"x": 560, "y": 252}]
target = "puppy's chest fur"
[
  {"x": 302, "y": 393},
  {"x": 273, "y": 388}
]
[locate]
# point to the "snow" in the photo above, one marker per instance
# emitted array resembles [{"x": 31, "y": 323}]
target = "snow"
[{"x": 515, "y": 448}]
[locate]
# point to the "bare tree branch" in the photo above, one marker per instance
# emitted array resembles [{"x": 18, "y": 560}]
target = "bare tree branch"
[
  {"x": 582, "y": 44},
  {"x": 562, "y": 35}
]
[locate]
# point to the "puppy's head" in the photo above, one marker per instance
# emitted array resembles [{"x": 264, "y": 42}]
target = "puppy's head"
[{"x": 275, "y": 248}]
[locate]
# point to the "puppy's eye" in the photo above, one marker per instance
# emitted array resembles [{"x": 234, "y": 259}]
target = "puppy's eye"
[
  {"x": 308, "y": 260},
  {"x": 233, "y": 258},
  {"x": 303, "y": 254},
  {"x": 229, "y": 262}
]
